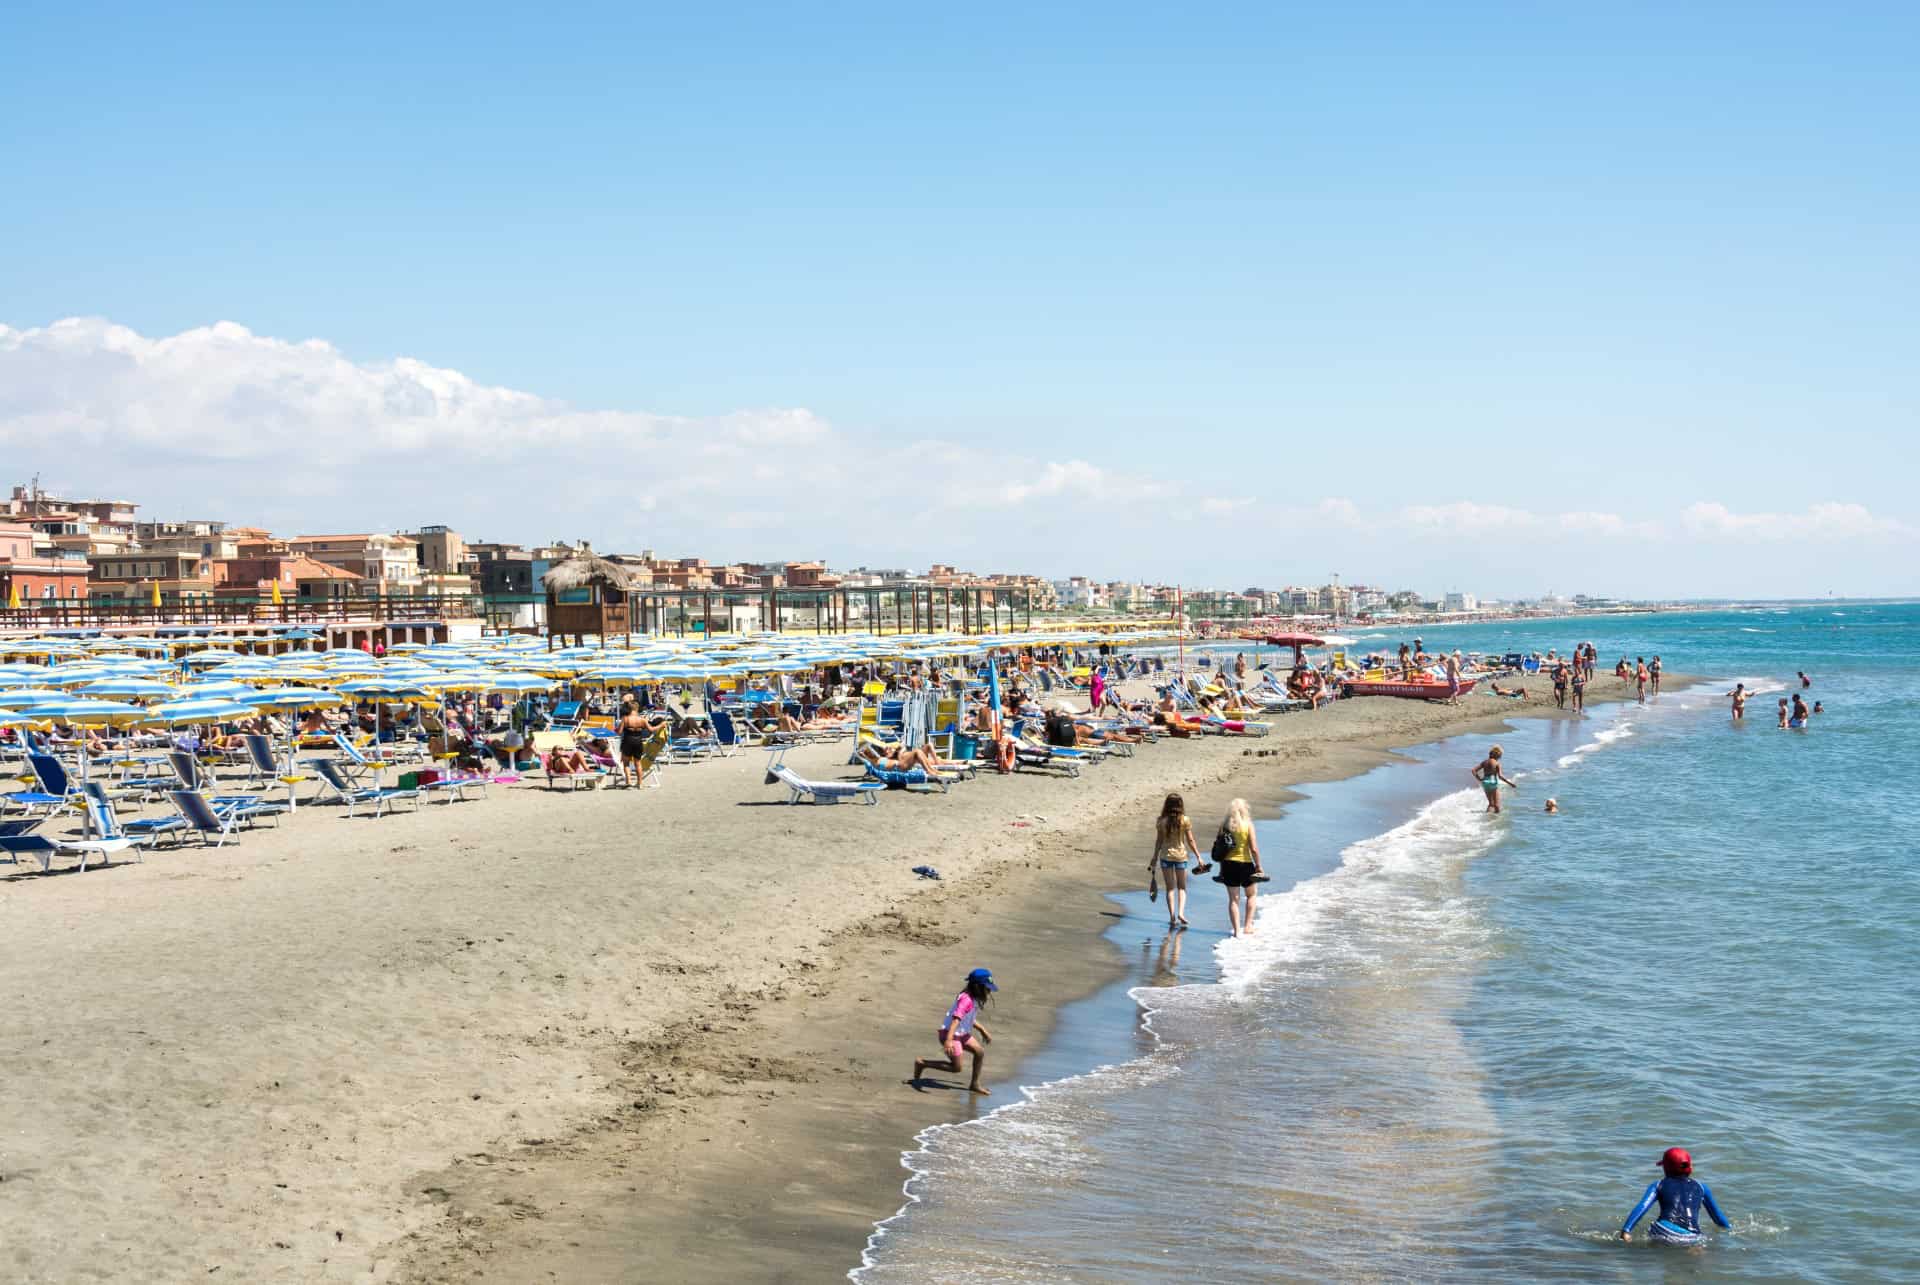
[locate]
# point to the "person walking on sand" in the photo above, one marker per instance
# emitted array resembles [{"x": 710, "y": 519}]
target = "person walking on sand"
[
  {"x": 1453, "y": 680},
  {"x": 1489, "y": 773},
  {"x": 961, "y": 1032},
  {"x": 1172, "y": 844},
  {"x": 1240, "y": 867},
  {"x": 1579, "y": 690}
]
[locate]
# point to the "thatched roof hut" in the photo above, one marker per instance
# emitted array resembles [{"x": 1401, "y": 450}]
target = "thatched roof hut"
[
  {"x": 588, "y": 568},
  {"x": 587, "y": 594}
]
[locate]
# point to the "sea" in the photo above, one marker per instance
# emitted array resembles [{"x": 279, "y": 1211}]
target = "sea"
[{"x": 1457, "y": 1044}]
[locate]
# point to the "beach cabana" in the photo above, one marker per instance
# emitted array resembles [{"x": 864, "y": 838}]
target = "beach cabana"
[{"x": 587, "y": 594}]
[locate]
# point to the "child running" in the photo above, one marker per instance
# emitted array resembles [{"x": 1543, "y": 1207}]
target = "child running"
[
  {"x": 961, "y": 1032},
  {"x": 1680, "y": 1197}
]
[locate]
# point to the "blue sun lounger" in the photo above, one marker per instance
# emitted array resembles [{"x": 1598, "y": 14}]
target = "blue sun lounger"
[{"x": 354, "y": 796}]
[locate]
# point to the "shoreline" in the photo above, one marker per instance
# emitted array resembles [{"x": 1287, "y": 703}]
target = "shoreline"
[{"x": 779, "y": 1176}]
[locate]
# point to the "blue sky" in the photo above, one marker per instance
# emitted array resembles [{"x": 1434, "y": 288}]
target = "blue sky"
[{"x": 1130, "y": 292}]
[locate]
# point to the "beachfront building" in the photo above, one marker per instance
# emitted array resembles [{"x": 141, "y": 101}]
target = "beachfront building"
[
  {"x": 205, "y": 538},
  {"x": 1460, "y": 602},
  {"x": 31, "y": 573},
  {"x": 269, "y": 565},
  {"x": 1078, "y": 593},
  {"x": 137, "y": 578},
  {"x": 109, "y": 519},
  {"x": 387, "y": 565}
]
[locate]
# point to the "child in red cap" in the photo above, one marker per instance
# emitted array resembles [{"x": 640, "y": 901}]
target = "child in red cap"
[{"x": 1680, "y": 1197}]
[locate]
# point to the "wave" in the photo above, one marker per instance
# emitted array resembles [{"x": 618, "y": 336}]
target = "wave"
[
  {"x": 1745, "y": 630},
  {"x": 1029, "y": 1139}
]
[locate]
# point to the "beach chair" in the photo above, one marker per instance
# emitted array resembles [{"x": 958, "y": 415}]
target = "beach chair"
[
  {"x": 544, "y": 743},
  {"x": 382, "y": 798},
  {"x": 192, "y": 776},
  {"x": 359, "y": 764},
  {"x": 17, "y": 842},
  {"x": 53, "y": 787},
  {"x": 206, "y": 817},
  {"x": 688, "y": 749},
  {"x": 827, "y": 791},
  {"x": 107, "y": 823},
  {"x": 566, "y": 715},
  {"x": 909, "y": 779},
  {"x": 726, "y": 736}
]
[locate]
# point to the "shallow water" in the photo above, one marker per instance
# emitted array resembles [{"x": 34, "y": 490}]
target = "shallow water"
[{"x": 1457, "y": 1044}]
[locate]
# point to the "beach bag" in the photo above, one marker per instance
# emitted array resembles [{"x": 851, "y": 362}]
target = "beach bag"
[{"x": 1222, "y": 844}]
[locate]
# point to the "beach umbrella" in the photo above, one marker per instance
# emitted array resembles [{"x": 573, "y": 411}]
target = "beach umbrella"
[{"x": 129, "y": 689}]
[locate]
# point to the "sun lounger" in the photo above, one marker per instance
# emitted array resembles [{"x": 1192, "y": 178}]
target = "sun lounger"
[
  {"x": 42, "y": 849},
  {"x": 107, "y": 823},
  {"x": 53, "y": 786},
  {"x": 204, "y": 816},
  {"x": 382, "y": 798},
  {"x": 197, "y": 779},
  {"x": 544, "y": 743},
  {"x": 910, "y": 779},
  {"x": 827, "y": 791}
]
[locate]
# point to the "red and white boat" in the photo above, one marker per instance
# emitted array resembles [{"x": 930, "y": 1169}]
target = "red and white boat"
[{"x": 1422, "y": 688}]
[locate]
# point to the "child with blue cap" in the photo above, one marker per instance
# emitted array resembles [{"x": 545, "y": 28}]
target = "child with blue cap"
[{"x": 961, "y": 1032}]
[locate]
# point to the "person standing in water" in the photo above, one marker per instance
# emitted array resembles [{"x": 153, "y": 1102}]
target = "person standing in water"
[
  {"x": 1240, "y": 866},
  {"x": 1680, "y": 1197},
  {"x": 1783, "y": 714},
  {"x": 961, "y": 1032},
  {"x": 1172, "y": 845},
  {"x": 1640, "y": 679},
  {"x": 1797, "y": 720},
  {"x": 1489, "y": 773},
  {"x": 1739, "y": 695},
  {"x": 1653, "y": 672}
]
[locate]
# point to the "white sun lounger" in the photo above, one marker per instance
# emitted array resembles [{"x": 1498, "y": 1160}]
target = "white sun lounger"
[{"x": 824, "y": 791}]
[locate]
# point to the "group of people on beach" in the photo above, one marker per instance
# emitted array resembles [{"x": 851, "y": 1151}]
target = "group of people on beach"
[{"x": 1792, "y": 714}]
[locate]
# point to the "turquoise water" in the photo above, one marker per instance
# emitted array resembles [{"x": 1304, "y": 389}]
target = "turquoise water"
[{"x": 1458, "y": 1044}]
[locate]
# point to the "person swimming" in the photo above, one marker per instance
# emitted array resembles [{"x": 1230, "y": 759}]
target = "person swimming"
[
  {"x": 1680, "y": 1197},
  {"x": 1553, "y": 806}
]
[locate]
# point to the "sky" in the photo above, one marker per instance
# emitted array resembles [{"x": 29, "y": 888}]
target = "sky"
[{"x": 1501, "y": 298}]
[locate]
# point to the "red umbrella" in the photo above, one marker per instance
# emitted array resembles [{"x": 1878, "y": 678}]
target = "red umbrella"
[{"x": 1295, "y": 641}]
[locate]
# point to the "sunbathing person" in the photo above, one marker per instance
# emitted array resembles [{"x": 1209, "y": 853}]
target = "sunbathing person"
[
  {"x": 1168, "y": 715},
  {"x": 896, "y": 759},
  {"x": 565, "y": 760}
]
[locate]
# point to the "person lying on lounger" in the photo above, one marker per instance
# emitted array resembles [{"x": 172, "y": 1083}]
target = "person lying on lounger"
[
  {"x": 896, "y": 759},
  {"x": 1168, "y": 715},
  {"x": 565, "y": 761}
]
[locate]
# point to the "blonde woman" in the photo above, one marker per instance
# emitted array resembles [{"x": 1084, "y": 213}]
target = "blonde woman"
[
  {"x": 1172, "y": 842},
  {"x": 1240, "y": 867}
]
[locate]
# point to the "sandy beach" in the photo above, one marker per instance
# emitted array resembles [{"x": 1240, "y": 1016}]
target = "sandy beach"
[{"x": 615, "y": 1035}]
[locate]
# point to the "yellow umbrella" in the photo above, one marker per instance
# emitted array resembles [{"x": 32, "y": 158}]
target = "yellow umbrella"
[
  {"x": 156, "y": 593},
  {"x": 13, "y": 595},
  {"x": 277, "y": 599}
]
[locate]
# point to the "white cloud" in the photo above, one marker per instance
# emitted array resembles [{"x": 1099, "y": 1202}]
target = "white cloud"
[
  {"x": 1828, "y": 521},
  {"x": 1587, "y": 522},
  {"x": 1466, "y": 516},
  {"x": 1221, "y": 505}
]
